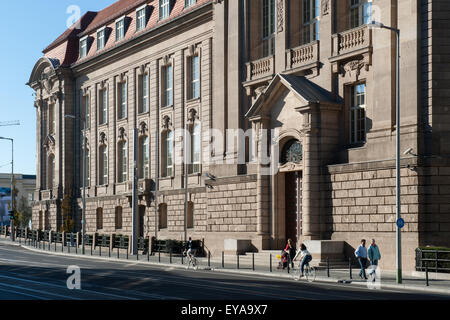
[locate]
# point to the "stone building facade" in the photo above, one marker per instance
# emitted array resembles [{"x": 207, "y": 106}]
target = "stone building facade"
[{"x": 311, "y": 73}]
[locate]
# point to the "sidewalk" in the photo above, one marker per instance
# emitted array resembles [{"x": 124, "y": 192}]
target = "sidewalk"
[{"x": 245, "y": 266}]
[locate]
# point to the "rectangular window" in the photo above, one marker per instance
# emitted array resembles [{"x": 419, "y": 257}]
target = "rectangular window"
[
  {"x": 195, "y": 77},
  {"x": 141, "y": 18},
  {"x": 169, "y": 154},
  {"x": 358, "y": 114},
  {"x": 51, "y": 119},
  {"x": 101, "y": 39},
  {"x": 104, "y": 165},
  {"x": 195, "y": 149},
  {"x": 164, "y": 9},
  {"x": 120, "y": 29},
  {"x": 83, "y": 47},
  {"x": 103, "y": 106},
  {"x": 268, "y": 15},
  {"x": 188, "y": 3},
  {"x": 144, "y": 160},
  {"x": 168, "y": 86},
  {"x": 86, "y": 112},
  {"x": 123, "y": 100},
  {"x": 360, "y": 12},
  {"x": 311, "y": 15},
  {"x": 123, "y": 162},
  {"x": 145, "y": 98}
]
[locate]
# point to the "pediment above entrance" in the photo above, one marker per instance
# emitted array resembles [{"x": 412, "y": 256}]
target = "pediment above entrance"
[{"x": 307, "y": 95}]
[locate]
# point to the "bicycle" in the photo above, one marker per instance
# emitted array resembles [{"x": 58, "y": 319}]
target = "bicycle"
[
  {"x": 309, "y": 273},
  {"x": 192, "y": 259}
]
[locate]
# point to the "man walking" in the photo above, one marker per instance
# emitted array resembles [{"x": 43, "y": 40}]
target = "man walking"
[
  {"x": 374, "y": 255},
  {"x": 361, "y": 255}
]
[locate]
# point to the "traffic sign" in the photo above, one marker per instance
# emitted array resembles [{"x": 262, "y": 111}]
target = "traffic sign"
[{"x": 400, "y": 223}]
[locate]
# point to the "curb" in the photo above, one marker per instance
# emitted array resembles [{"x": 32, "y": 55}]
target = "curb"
[{"x": 247, "y": 273}]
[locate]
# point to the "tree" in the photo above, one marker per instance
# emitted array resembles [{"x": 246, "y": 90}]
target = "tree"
[
  {"x": 23, "y": 212},
  {"x": 67, "y": 216}
]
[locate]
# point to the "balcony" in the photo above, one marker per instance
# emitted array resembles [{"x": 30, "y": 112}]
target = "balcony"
[
  {"x": 144, "y": 186},
  {"x": 260, "y": 70},
  {"x": 350, "y": 43},
  {"x": 303, "y": 58}
]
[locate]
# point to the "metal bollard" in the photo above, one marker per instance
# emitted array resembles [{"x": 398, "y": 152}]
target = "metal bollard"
[
  {"x": 91, "y": 247},
  {"x": 159, "y": 255},
  {"x": 253, "y": 261},
  {"x": 100, "y": 249},
  {"x": 270, "y": 263},
  {"x": 62, "y": 245},
  {"x": 170, "y": 255},
  {"x": 426, "y": 276},
  {"x": 350, "y": 267},
  {"x": 223, "y": 260},
  {"x": 68, "y": 248},
  {"x": 118, "y": 253},
  {"x": 328, "y": 267},
  {"x": 109, "y": 251},
  {"x": 209, "y": 259},
  {"x": 137, "y": 255},
  {"x": 49, "y": 244},
  {"x": 182, "y": 259},
  {"x": 127, "y": 253},
  {"x": 55, "y": 246},
  {"x": 76, "y": 249},
  {"x": 148, "y": 254},
  {"x": 237, "y": 255}
]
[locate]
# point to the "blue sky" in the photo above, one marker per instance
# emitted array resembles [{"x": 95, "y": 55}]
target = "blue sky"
[{"x": 26, "y": 29}]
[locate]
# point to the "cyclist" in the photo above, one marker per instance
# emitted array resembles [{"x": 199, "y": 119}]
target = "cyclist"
[
  {"x": 190, "y": 252},
  {"x": 305, "y": 257}
]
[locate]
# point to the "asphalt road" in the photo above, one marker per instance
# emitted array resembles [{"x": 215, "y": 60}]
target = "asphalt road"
[{"x": 27, "y": 275}]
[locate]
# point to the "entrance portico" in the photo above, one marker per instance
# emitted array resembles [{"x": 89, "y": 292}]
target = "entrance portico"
[{"x": 305, "y": 135}]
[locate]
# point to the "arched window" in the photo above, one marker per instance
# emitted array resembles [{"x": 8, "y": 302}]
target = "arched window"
[
  {"x": 123, "y": 161},
  {"x": 118, "y": 218},
  {"x": 167, "y": 154},
  {"x": 292, "y": 152},
  {"x": 163, "y": 216},
  {"x": 144, "y": 167},
  {"x": 103, "y": 164},
  {"x": 195, "y": 148},
  {"x": 190, "y": 215},
  {"x": 99, "y": 218}
]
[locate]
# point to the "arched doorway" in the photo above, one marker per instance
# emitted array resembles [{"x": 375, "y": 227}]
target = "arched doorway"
[{"x": 291, "y": 160}]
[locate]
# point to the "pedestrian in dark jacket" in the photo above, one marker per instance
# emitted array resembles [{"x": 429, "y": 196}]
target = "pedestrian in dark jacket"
[{"x": 361, "y": 255}]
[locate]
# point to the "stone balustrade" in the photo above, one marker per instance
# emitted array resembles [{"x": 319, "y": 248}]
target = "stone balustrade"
[
  {"x": 354, "y": 40},
  {"x": 261, "y": 68},
  {"x": 303, "y": 56}
]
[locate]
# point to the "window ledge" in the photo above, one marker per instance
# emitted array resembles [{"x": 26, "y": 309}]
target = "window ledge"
[{"x": 193, "y": 100}]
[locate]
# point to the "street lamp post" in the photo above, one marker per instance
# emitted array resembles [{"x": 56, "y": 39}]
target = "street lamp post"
[
  {"x": 83, "y": 214},
  {"x": 12, "y": 185},
  {"x": 379, "y": 25}
]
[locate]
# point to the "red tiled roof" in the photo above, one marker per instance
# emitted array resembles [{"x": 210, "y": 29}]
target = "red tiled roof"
[{"x": 66, "y": 47}]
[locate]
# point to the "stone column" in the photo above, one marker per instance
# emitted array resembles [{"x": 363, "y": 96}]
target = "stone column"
[
  {"x": 282, "y": 34},
  {"x": 311, "y": 173},
  {"x": 263, "y": 184}
]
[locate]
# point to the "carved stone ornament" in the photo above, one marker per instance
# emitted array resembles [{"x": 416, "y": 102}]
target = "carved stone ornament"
[
  {"x": 85, "y": 91},
  {"x": 122, "y": 134},
  {"x": 166, "y": 60},
  {"x": 103, "y": 84},
  {"x": 192, "y": 115},
  {"x": 355, "y": 65},
  {"x": 122, "y": 77},
  {"x": 290, "y": 167},
  {"x": 325, "y": 7},
  {"x": 142, "y": 69},
  {"x": 102, "y": 139},
  {"x": 49, "y": 143},
  {"x": 142, "y": 128},
  {"x": 166, "y": 124},
  {"x": 280, "y": 18}
]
